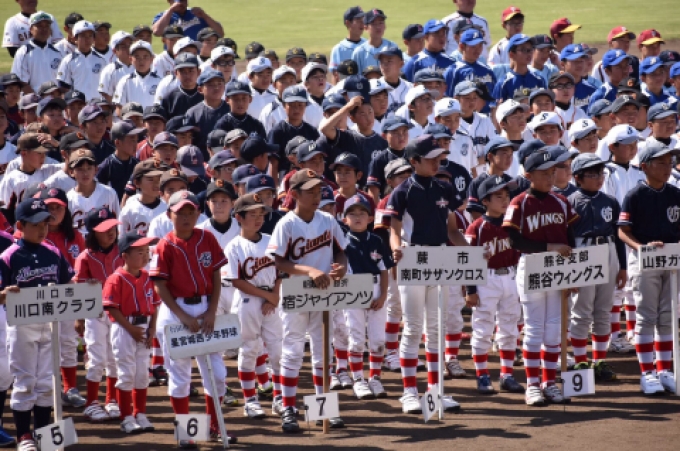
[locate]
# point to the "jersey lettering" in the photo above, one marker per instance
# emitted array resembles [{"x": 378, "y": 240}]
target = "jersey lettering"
[
  {"x": 205, "y": 259},
  {"x": 253, "y": 265},
  {"x": 498, "y": 245},
  {"x": 309, "y": 246},
  {"x": 544, "y": 219}
]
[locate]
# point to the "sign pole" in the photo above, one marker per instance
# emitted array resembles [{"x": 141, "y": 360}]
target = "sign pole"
[
  {"x": 216, "y": 402},
  {"x": 56, "y": 372},
  {"x": 674, "y": 328},
  {"x": 326, "y": 360},
  {"x": 440, "y": 361},
  {"x": 565, "y": 327}
]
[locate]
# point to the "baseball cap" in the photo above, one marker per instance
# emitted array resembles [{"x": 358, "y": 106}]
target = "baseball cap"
[
  {"x": 90, "y": 112},
  {"x": 661, "y": 110},
  {"x": 413, "y": 31},
  {"x": 281, "y": 71},
  {"x": 215, "y": 139},
  {"x": 141, "y": 45},
  {"x": 179, "y": 124},
  {"x": 585, "y": 161},
  {"x": 71, "y": 141},
  {"x": 254, "y": 146},
  {"x": 357, "y": 85},
  {"x": 648, "y": 37},
  {"x": 154, "y": 111},
  {"x": 333, "y": 101},
  {"x": 354, "y": 12},
  {"x": 527, "y": 148},
  {"x": 208, "y": 75},
  {"x": 471, "y": 36},
  {"x": 307, "y": 150},
  {"x": 74, "y": 96},
  {"x": 394, "y": 122},
  {"x": 45, "y": 88},
  {"x": 376, "y": 86},
  {"x": 236, "y": 87},
  {"x": 120, "y": 36},
  {"x": 396, "y": 167},
  {"x": 296, "y": 52},
  {"x": 48, "y": 102},
  {"x": 101, "y": 23},
  {"x": 165, "y": 138},
  {"x": 293, "y": 144},
  {"x": 30, "y": 141},
  {"x": 541, "y": 92},
  {"x": 427, "y": 74},
  {"x": 28, "y": 101},
  {"x": 221, "y": 159},
  {"x": 32, "y": 211},
  {"x": 327, "y": 196},
  {"x": 669, "y": 57},
  {"x": 72, "y": 19},
  {"x": 619, "y": 32},
  {"x": 461, "y": 24},
  {"x": 613, "y": 57},
  {"x": 205, "y": 33},
  {"x": 433, "y": 26},
  {"x": 562, "y": 26},
  {"x": 373, "y": 14},
  {"x": 190, "y": 159},
  {"x": 539, "y": 161},
  {"x": 39, "y": 16},
  {"x": 221, "y": 186},
  {"x": 518, "y": 39},
  {"x": 650, "y": 64},
  {"x": 629, "y": 84},
  {"x": 545, "y": 118},
  {"x": 371, "y": 69},
  {"x": 101, "y": 102},
  {"x": 80, "y": 155},
  {"x": 438, "y": 131},
  {"x": 173, "y": 174},
  {"x": 496, "y": 143},
  {"x": 417, "y": 92},
  {"x": 221, "y": 51},
  {"x": 466, "y": 87},
  {"x": 257, "y": 183},
  {"x": 622, "y": 134},
  {"x": 150, "y": 168},
  {"x": 561, "y": 74},
  {"x": 655, "y": 149},
  {"x": 424, "y": 146},
  {"x": 572, "y": 52},
  {"x": 242, "y": 172},
  {"x": 258, "y": 64},
  {"x": 295, "y": 93},
  {"x": 253, "y": 50},
  {"x": 510, "y": 12},
  {"x": 271, "y": 55},
  {"x": 349, "y": 67},
  {"x": 134, "y": 238},
  {"x": 346, "y": 159},
  {"x": 248, "y": 202},
  {"x": 580, "y": 128},
  {"x": 182, "y": 44},
  {"x": 508, "y": 107},
  {"x": 173, "y": 31},
  {"x": 304, "y": 179},
  {"x": 389, "y": 50},
  {"x": 588, "y": 49},
  {"x": 132, "y": 109},
  {"x": 181, "y": 199},
  {"x": 359, "y": 201},
  {"x": 186, "y": 60},
  {"x": 121, "y": 129},
  {"x": 234, "y": 134},
  {"x": 100, "y": 220},
  {"x": 674, "y": 72},
  {"x": 228, "y": 42},
  {"x": 622, "y": 101},
  {"x": 600, "y": 107},
  {"x": 446, "y": 106},
  {"x": 494, "y": 184},
  {"x": 82, "y": 26},
  {"x": 542, "y": 41},
  {"x": 139, "y": 29},
  {"x": 311, "y": 67}
]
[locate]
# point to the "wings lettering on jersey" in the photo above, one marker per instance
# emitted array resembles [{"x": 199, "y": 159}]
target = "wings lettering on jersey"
[{"x": 543, "y": 219}]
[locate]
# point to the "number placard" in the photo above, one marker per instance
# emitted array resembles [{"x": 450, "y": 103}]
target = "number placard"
[
  {"x": 192, "y": 427},
  {"x": 57, "y": 435},
  {"x": 579, "y": 383},
  {"x": 429, "y": 403},
  {"x": 322, "y": 407}
]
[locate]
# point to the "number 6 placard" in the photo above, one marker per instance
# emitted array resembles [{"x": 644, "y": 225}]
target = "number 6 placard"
[
  {"x": 322, "y": 407},
  {"x": 192, "y": 427},
  {"x": 579, "y": 383}
]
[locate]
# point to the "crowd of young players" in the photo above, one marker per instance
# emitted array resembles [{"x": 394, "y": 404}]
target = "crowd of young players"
[{"x": 129, "y": 169}]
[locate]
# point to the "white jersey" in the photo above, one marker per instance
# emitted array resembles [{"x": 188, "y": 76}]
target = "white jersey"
[
  {"x": 36, "y": 65},
  {"x": 452, "y": 45},
  {"x": 260, "y": 100},
  {"x": 570, "y": 115},
  {"x": 499, "y": 53},
  {"x": 481, "y": 130},
  {"x": 80, "y": 206},
  {"x": 167, "y": 85},
  {"x": 7, "y": 154},
  {"x": 416, "y": 129},
  {"x": 137, "y": 216},
  {"x": 598, "y": 73},
  {"x": 108, "y": 56},
  {"x": 163, "y": 64},
  {"x": 111, "y": 75},
  {"x": 307, "y": 243},
  {"x": 15, "y": 163},
  {"x": 17, "y": 31},
  {"x": 462, "y": 150},
  {"x": 247, "y": 260},
  {"x": 82, "y": 72},
  {"x": 397, "y": 96},
  {"x": 65, "y": 47},
  {"x": 61, "y": 180},
  {"x": 619, "y": 181},
  {"x": 223, "y": 238},
  {"x": 15, "y": 182},
  {"x": 274, "y": 113},
  {"x": 243, "y": 78},
  {"x": 137, "y": 88},
  {"x": 161, "y": 225}
]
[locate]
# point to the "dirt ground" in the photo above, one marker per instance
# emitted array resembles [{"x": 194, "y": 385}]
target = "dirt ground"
[{"x": 618, "y": 417}]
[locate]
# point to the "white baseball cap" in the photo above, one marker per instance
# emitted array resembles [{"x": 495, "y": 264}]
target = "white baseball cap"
[
  {"x": 141, "y": 45},
  {"x": 183, "y": 43},
  {"x": 417, "y": 92},
  {"x": 81, "y": 26},
  {"x": 446, "y": 106},
  {"x": 545, "y": 118},
  {"x": 258, "y": 65},
  {"x": 378, "y": 85},
  {"x": 581, "y": 128},
  {"x": 310, "y": 67},
  {"x": 622, "y": 134},
  {"x": 220, "y": 51},
  {"x": 508, "y": 107},
  {"x": 120, "y": 36},
  {"x": 281, "y": 71}
]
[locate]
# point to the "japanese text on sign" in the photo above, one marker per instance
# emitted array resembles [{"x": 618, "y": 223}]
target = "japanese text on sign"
[
  {"x": 658, "y": 258},
  {"x": 549, "y": 271},
  {"x": 299, "y": 294},
  {"x": 461, "y": 265},
  {"x": 54, "y": 303},
  {"x": 182, "y": 343}
]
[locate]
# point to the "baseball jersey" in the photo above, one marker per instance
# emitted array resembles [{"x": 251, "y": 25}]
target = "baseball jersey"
[
  {"x": 570, "y": 115},
  {"x": 64, "y": 47},
  {"x": 423, "y": 205},
  {"x": 223, "y": 238},
  {"x": 513, "y": 84},
  {"x": 195, "y": 260},
  {"x": 61, "y": 180},
  {"x": 260, "y": 99},
  {"x": 167, "y": 84},
  {"x": 343, "y": 51},
  {"x": 462, "y": 150},
  {"x": 80, "y": 71},
  {"x": 478, "y": 20},
  {"x": 474, "y": 202},
  {"x": 598, "y": 213},
  {"x": 137, "y": 216},
  {"x": 15, "y": 182},
  {"x": 80, "y": 206},
  {"x": 488, "y": 232},
  {"x": 438, "y": 61},
  {"x": 655, "y": 98},
  {"x": 133, "y": 296},
  {"x": 307, "y": 243},
  {"x": 543, "y": 219},
  {"x": 115, "y": 172},
  {"x": 161, "y": 225},
  {"x": 30, "y": 265},
  {"x": 619, "y": 180},
  {"x": 96, "y": 264},
  {"x": 205, "y": 117},
  {"x": 582, "y": 94},
  {"x": 498, "y": 54},
  {"x": 367, "y": 253},
  {"x": 190, "y": 23},
  {"x": 284, "y": 131},
  {"x": 18, "y": 31},
  {"x": 111, "y": 75},
  {"x": 460, "y": 179},
  {"x": 70, "y": 249},
  {"x": 7, "y": 154},
  {"x": 108, "y": 54},
  {"x": 376, "y": 168},
  {"x": 177, "y": 101},
  {"x": 365, "y": 54},
  {"x": 606, "y": 91},
  {"x": 36, "y": 65},
  {"x": 247, "y": 123},
  {"x": 340, "y": 202},
  {"x": 480, "y": 130},
  {"x": 652, "y": 214},
  {"x": 477, "y": 72},
  {"x": 135, "y": 87},
  {"x": 357, "y": 144},
  {"x": 163, "y": 64},
  {"x": 397, "y": 96},
  {"x": 566, "y": 191},
  {"x": 248, "y": 260}
]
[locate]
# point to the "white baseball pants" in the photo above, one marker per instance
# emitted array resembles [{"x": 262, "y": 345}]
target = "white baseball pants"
[
  {"x": 30, "y": 362},
  {"x": 132, "y": 359},
  {"x": 98, "y": 339}
]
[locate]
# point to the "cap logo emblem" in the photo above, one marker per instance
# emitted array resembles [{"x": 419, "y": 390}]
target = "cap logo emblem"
[
  {"x": 174, "y": 172},
  {"x": 653, "y": 61},
  {"x": 263, "y": 181},
  {"x": 37, "y": 204},
  {"x": 664, "y": 106},
  {"x": 499, "y": 180},
  {"x": 630, "y": 130},
  {"x": 257, "y": 198},
  {"x": 52, "y": 192},
  {"x": 546, "y": 156},
  {"x": 631, "y": 83},
  {"x": 185, "y": 194},
  {"x": 141, "y": 232},
  {"x": 251, "y": 170},
  {"x": 103, "y": 214},
  {"x": 311, "y": 173},
  {"x": 350, "y": 70},
  {"x": 219, "y": 183}
]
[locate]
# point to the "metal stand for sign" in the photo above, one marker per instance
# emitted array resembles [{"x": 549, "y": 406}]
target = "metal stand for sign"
[
  {"x": 56, "y": 373},
  {"x": 216, "y": 402},
  {"x": 326, "y": 361},
  {"x": 440, "y": 324},
  {"x": 565, "y": 327},
  {"x": 674, "y": 328}
]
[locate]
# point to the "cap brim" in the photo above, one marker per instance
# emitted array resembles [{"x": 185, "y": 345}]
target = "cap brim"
[
  {"x": 309, "y": 184},
  {"x": 573, "y": 56},
  {"x": 665, "y": 113},
  {"x": 511, "y": 15},
  {"x": 311, "y": 154},
  {"x": 182, "y": 203},
  {"x": 653, "y": 41},
  {"x": 106, "y": 225},
  {"x": 193, "y": 171},
  {"x": 81, "y": 159},
  {"x": 183, "y": 129},
  {"x": 434, "y": 153},
  {"x": 335, "y": 165},
  {"x": 325, "y": 202},
  {"x": 356, "y": 204},
  {"x": 54, "y": 200},
  {"x": 511, "y": 185},
  {"x": 570, "y": 29},
  {"x": 589, "y": 165},
  {"x": 133, "y": 114},
  {"x": 474, "y": 42},
  {"x": 153, "y": 115},
  {"x": 239, "y": 91},
  {"x": 564, "y": 157},
  {"x": 662, "y": 153},
  {"x": 630, "y": 35},
  {"x": 630, "y": 140},
  {"x": 296, "y": 99},
  {"x": 442, "y": 136},
  {"x": 401, "y": 169},
  {"x": 154, "y": 173},
  {"x": 546, "y": 165},
  {"x": 146, "y": 241},
  {"x": 183, "y": 65},
  {"x": 38, "y": 217},
  {"x": 156, "y": 145},
  {"x": 254, "y": 207}
]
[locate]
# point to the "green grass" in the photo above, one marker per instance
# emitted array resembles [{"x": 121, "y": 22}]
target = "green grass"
[{"x": 316, "y": 25}]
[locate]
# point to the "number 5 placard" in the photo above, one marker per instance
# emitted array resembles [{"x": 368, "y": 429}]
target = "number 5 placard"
[
  {"x": 57, "y": 435},
  {"x": 322, "y": 407},
  {"x": 192, "y": 427},
  {"x": 579, "y": 383}
]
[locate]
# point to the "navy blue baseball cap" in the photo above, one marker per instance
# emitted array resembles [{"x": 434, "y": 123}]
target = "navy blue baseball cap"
[
  {"x": 254, "y": 146},
  {"x": 155, "y": 111},
  {"x": 471, "y": 36},
  {"x": 90, "y": 112},
  {"x": 541, "y": 92},
  {"x": 395, "y": 122},
  {"x": 527, "y": 148},
  {"x": 327, "y": 196},
  {"x": 573, "y": 52},
  {"x": 461, "y": 24},
  {"x": 178, "y": 125},
  {"x": 424, "y": 146},
  {"x": 165, "y": 138},
  {"x": 50, "y": 102},
  {"x": 542, "y": 41},
  {"x": 624, "y": 100},
  {"x": 259, "y": 182},
  {"x": 135, "y": 238},
  {"x": 357, "y": 85},
  {"x": 427, "y": 74},
  {"x": 600, "y": 107},
  {"x": 357, "y": 201},
  {"x": 32, "y": 210},
  {"x": 373, "y": 14},
  {"x": 100, "y": 220},
  {"x": 293, "y": 144},
  {"x": 221, "y": 186},
  {"x": 539, "y": 161},
  {"x": 190, "y": 159},
  {"x": 121, "y": 129},
  {"x": 355, "y": 12},
  {"x": 498, "y": 142},
  {"x": 221, "y": 158},
  {"x": 187, "y": 60},
  {"x": 655, "y": 149},
  {"x": 241, "y": 173},
  {"x": 216, "y": 139},
  {"x": 389, "y": 50},
  {"x": 518, "y": 39},
  {"x": 669, "y": 57},
  {"x": 237, "y": 87},
  {"x": 333, "y": 101},
  {"x": 346, "y": 159},
  {"x": 661, "y": 110},
  {"x": 585, "y": 161},
  {"x": 412, "y": 31},
  {"x": 307, "y": 150},
  {"x": 438, "y": 131},
  {"x": 295, "y": 93},
  {"x": 494, "y": 184},
  {"x": 614, "y": 57},
  {"x": 650, "y": 64},
  {"x": 560, "y": 153},
  {"x": 208, "y": 75},
  {"x": 74, "y": 96},
  {"x": 433, "y": 26}
]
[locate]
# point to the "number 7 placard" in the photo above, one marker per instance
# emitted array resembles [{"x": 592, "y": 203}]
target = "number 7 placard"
[{"x": 322, "y": 407}]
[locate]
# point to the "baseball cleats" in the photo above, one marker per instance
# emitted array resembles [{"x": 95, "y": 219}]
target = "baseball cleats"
[
  {"x": 484, "y": 385},
  {"x": 553, "y": 394},
  {"x": 410, "y": 402},
  {"x": 144, "y": 423},
  {"x": 130, "y": 426},
  {"x": 376, "y": 387},
  {"x": 266, "y": 391},
  {"x": 362, "y": 390},
  {"x": 26, "y": 443},
  {"x": 289, "y": 422},
  {"x": 620, "y": 345},
  {"x": 188, "y": 444},
  {"x": 253, "y": 409},
  {"x": 95, "y": 413},
  {"x": 230, "y": 398},
  {"x": 454, "y": 369},
  {"x": 277, "y": 405},
  {"x": 112, "y": 410},
  {"x": 6, "y": 440},
  {"x": 509, "y": 384},
  {"x": 216, "y": 436},
  {"x": 334, "y": 423},
  {"x": 392, "y": 362},
  {"x": 533, "y": 396},
  {"x": 73, "y": 399},
  {"x": 158, "y": 376},
  {"x": 450, "y": 404},
  {"x": 667, "y": 381},
  {"x": 335, "y": 383},
  {"x": 603, "y": 372},
  {"x": 650, "y": 384},
  {"x": 344, "y": 379}
]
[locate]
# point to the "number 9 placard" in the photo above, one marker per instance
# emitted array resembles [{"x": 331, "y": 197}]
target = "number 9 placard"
[{"x": 579, "y": 383}]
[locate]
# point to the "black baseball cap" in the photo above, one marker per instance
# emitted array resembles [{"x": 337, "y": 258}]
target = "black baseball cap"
[
  {"x": 373, "y": 14},
  {"x": 317, "y": 57},
  {"x": 413, "y": 31},
  {"x": 293, "y": 144},
  {"x": 135, "y": 238},
  {"x": 296, "y": 52},
  {"x": 177, "y": 125},
  {"x": 622, "y": 101},
  {"x": 630, "y": 84},
  {"x": 254, "y": 146},
  {"x": 216, "y": 139},
  {"x": 72, "y": 19},
  {"x": 585, "y": 161},
  {"x": 155, "y": 111},
  {"x": 425, "y": 146},
  {"x": 600, "y": 107},
  {"x": 348, "y": 67},
  {"x": 307, "y": 150},
  {"x": 242, "y": 172},
  {"x": 48, "y": 102},
  {"x": 139, "y": 28},
  {"x": 173, "y": 31},
  {"x": 121, "y": 129},
  {"x": 493, "y": 184},
  {"x": 347, "y": 159},
  {"x": 101, "y": 23},
  {"x": 527, "y": 148},
  {"x": 205, "y": 33},
  {"x": 71, "y": 141},
  {"x": 354, "y": 12},
  {"x": 32, "y": 210},
  {"x": 236, "y": 87},
  {"x": 370, "y": 69},
  {"x": 257, "y": 183},
  {"x": 10, "y": 79},
  {"x": 542, "y": 41},
  {"x": 186, "y": 59},
  {"x": 47, "y": 88},
  {"x": 221, "y": 186},
  {"x": 539, "y": 161},
  {"x": 221, "y": 158},
  {"x": 253, "y": 50}
]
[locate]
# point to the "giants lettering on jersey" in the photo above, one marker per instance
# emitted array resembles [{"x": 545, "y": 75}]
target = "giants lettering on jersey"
[
  {"x": 310, "y": 246},
  {"x": 544, "y": 219},
  {"x": 253, "y": 265}
]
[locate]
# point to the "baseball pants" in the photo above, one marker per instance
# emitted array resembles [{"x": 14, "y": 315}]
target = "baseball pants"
[
  {"x": 453, "y": 322},
  {"x": 652, "y": 294},
  {"x": 498, "y": 303},
  {"x": 367, "y": 323},
  {"x": 132, "y": 359},
  {"x": 5, "y": 374},
  {"x": 226, "y": 299},
  {"x": 68, "y": 344},
  {"x": 393, "y": 310},
  {"x": 99, "y": 341},
  {"x": 30, "y": 362}
]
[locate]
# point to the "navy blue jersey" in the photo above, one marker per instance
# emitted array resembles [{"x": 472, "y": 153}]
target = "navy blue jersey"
[
  {"x": 460, "y": 178},
  {"x": 29, "y": 265},
  {"x": 566, "y": 191},
  {"x": 376, "y": 168},
  {"x": 598, "y": 211},
  {"x": 247, "y": 123},
  {"x": 423, "y": 205},
  {"x": 606, "y": 92},
  {"x": 367, "y": 253},
  {"x": 523, "y": 184},
  {"x": 514, "y": 84},
  {"x": 438, "y": 61},
  {"x": 205, "y": 117},
  {"x": 357, "y": 144},
  {"x": 102, "y": 150},
  {"x": 116, "y": 173},
  {"x": 178, "y": 101},
  {"x": 652, "y": 214},
  {"x": 270, "y": 221},
  {"x": 474, "y": 202},
  {"x": 283, "y": 132}
]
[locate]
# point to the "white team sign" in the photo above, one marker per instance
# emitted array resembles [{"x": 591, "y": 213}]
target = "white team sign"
[
  {"x": 579, "y": 383},
  {"x": 57, "y": 435},
  {"x": 660, "y": 258},
  {"x": 183, "y": 344},
  {"x": 192, "y": 426},
  {"x": 67, "y": 302},
  {"x": 442, "y": 265},
  {"x": 322, "y": 407},
  {"x": 300, "y": 294},
  {"x": 549, "y": 271}
]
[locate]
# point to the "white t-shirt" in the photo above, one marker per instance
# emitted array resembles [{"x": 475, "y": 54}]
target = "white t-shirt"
[
  {"x": 80, "y": 206},
  {"x": 17, "y": 31},
  {"x": 137, "y": 216}
]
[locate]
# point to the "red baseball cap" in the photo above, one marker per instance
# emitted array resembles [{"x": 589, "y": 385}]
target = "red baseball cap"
[
  {"x": 562, "y": 25},
  {"x": 510, "y": 12},
  {"x": 619, "y": 32},
  {"x": 648, "y": 37}
]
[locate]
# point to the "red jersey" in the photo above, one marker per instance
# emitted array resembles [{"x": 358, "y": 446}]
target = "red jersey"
[
  {"x": 188, "y": 266},
  {"x": 92, "y": 264},
  {"x": 340, "y": 203},
  {"x": 133, "y": 296},
  {"x": 545, "y": 220},
  {"x": 382, "y": 220},
  {"x": 144, "y": 150},
  {"x": 461, "y": 221},
  {"x": 485, "y": 231},
  {"x": 5, "y": 226},
  {"x": 69, "y": 249}
]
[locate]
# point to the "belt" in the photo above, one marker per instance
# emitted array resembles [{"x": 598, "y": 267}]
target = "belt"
[
  {"x": 502, "y": 271},
  {"x": 594, "y": 240},
  {"x": 138, "y": 320},
  {"x": 193, "y": 300}
]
